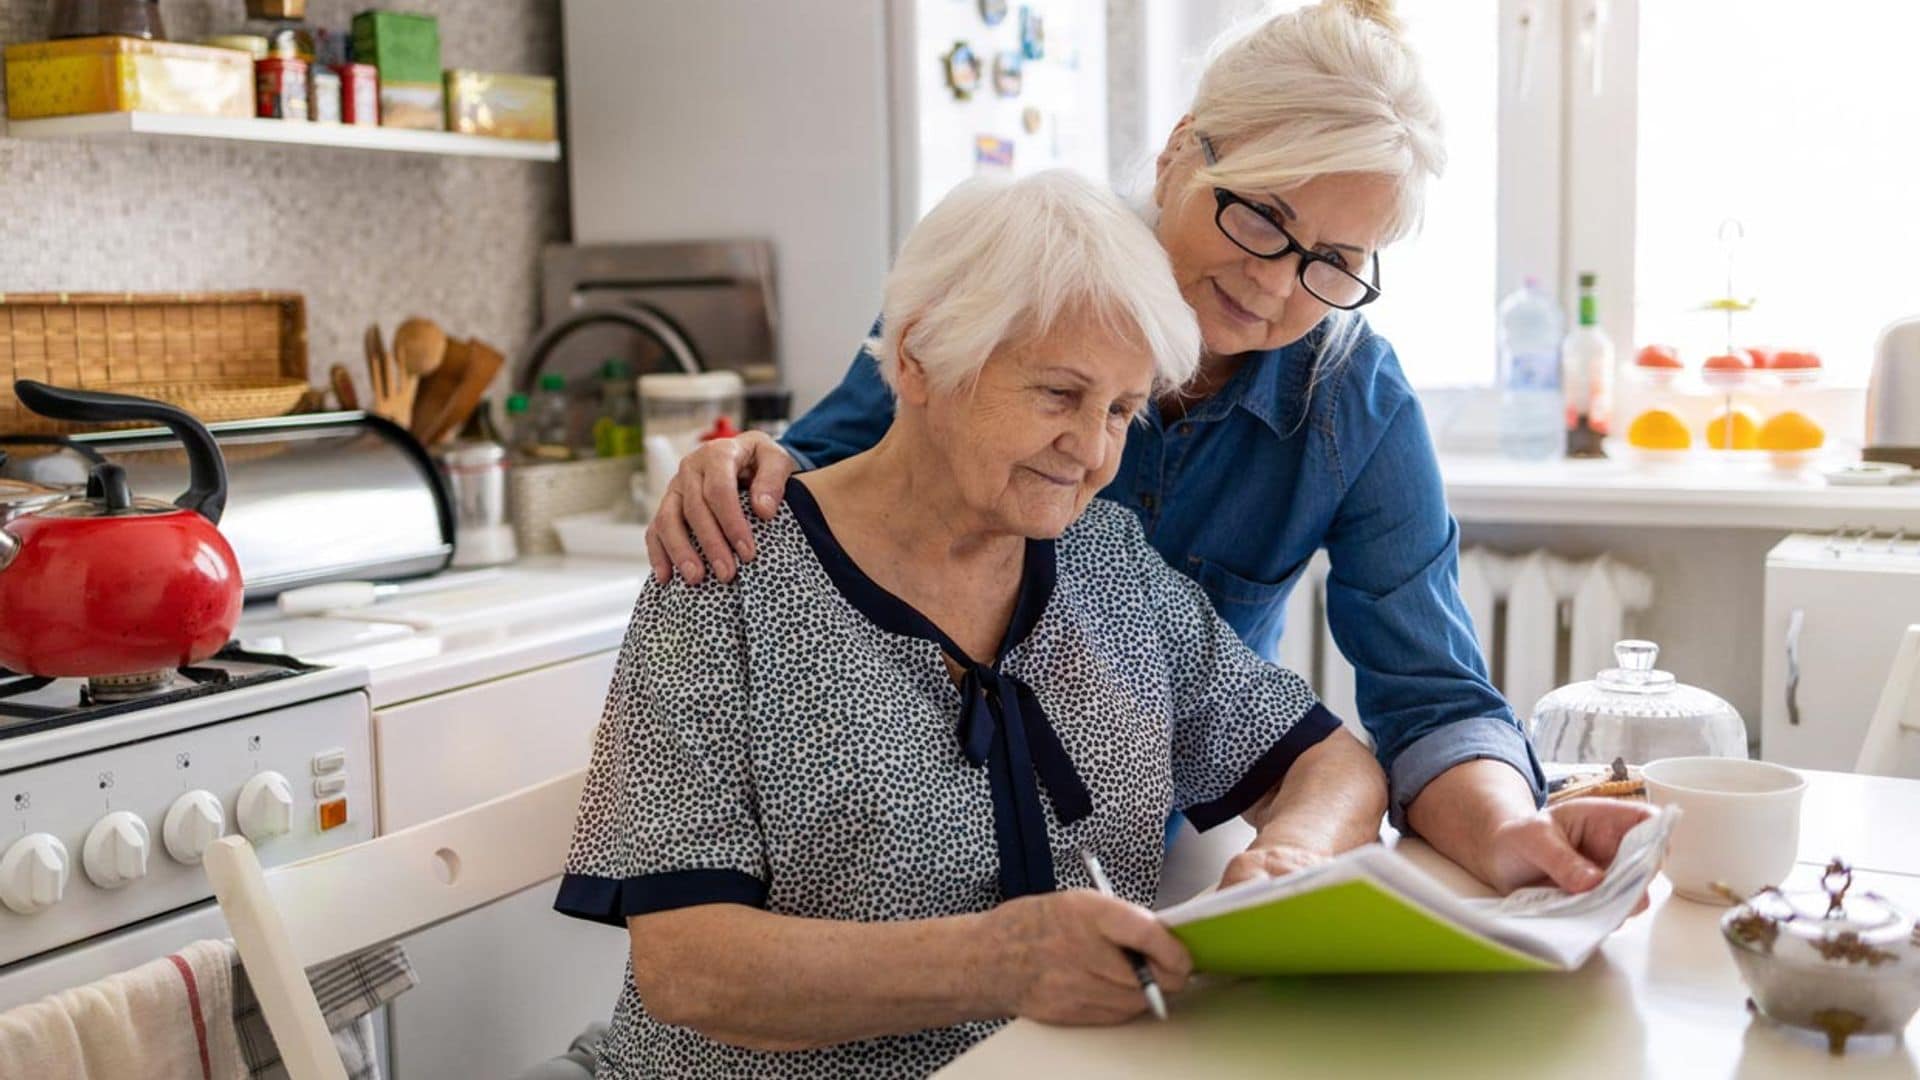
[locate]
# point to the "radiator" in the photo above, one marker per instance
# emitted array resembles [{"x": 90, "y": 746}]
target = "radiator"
[{"x": 1542, "y": 621}]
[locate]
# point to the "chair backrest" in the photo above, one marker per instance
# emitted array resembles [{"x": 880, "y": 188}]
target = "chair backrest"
[
  {"x": 289, "y": 918},
  {"x": 1895, "y": 715}
]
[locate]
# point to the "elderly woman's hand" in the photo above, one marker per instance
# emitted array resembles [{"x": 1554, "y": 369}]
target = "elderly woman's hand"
[
  {"x": 1061, "y": 958},
  {"x": 704, "y": 498},
  {"x": 1271, "y": 861}
]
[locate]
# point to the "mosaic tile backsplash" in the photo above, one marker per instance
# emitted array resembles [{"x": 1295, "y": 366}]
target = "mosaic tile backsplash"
[{"x": 367, "y": 236}]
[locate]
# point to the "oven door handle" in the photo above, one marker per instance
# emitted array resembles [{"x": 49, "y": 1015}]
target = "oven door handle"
[{"x": 1794, "y": 624}]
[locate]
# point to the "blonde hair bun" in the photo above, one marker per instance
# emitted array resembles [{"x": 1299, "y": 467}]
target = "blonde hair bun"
[{"x": 1374, "y": 11}]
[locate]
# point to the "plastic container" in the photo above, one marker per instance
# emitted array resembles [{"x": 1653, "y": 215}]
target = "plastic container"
[
  {"x": 1530, "y": 403},
  {"x": 550, "y": 433},
  {"x": 616, "y": 431},
  {"x": 1636, "y": 713},
  {"x": 684, "y": 407}
]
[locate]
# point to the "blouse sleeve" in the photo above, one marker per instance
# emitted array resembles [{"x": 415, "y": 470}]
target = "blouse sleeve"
[
  {"x": 667, "y": 818},
  {"x": 1239, "y": 722}
]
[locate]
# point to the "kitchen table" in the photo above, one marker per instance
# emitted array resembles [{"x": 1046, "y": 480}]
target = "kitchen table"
[{"x": 1661, "y": 998}]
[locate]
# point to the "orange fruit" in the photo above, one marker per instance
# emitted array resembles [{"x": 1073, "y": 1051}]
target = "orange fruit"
[
  {"x": 1659, "y": 429},
  {"x": 1791, "y": 431},
  {"x": 1739, "y": 422}
]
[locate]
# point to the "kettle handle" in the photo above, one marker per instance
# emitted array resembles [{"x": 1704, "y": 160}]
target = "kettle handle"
[{"x": 206, "y": 492}]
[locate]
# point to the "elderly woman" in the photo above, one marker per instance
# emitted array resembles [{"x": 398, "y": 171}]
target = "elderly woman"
[
  {"x": 1307, "y": 150},
  {"x": 839, "y": 802}
]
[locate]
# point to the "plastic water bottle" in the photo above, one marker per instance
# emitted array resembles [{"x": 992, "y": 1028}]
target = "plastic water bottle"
[{"x": 1532, "y": 420}]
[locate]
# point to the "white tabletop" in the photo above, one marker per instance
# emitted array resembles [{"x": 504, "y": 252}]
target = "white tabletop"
[{"x": 1661, "y": 999}]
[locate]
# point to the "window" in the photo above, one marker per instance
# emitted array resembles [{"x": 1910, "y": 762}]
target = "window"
[{"x": 1802, "y": 123}]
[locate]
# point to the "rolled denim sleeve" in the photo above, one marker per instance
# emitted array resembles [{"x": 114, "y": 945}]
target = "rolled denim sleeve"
[
  {"x": 850, "y": 419},
  {"x": 1394, "y": 606}
]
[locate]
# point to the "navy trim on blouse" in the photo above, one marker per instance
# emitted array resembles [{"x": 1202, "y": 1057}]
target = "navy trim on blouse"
[
  {"x": 1264, "y": 774},
  {"x": 612, "y": 900},
  {"x": 1002, "y": 725}
]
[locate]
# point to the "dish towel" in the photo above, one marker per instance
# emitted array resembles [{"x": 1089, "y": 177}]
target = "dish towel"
[
  {"x": 348, "y": 989},
  {"x": 170, "y": 1017},
  {"x": 194, "y": 1014}
]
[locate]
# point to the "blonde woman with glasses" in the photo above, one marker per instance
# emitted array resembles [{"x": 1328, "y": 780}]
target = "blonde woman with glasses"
[{"x": 1305, "y": 155}]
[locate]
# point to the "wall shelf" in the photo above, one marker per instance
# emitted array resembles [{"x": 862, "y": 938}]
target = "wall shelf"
[{"x": 296, "y": 132}]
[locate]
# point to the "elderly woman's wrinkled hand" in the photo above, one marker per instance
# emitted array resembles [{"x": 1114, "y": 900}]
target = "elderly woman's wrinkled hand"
[
  {"x": 1063, "y": 962},
  {"x": 1271, "y": 861},
  {"x": 1570, "y": 844},
  {"x": 703, "y": 501}
]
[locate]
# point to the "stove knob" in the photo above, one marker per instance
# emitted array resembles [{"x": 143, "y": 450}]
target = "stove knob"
[
  {"x": 33, "y": 873},
  {"x": 116, "y": 850},
  {"x": 193, "y": 823},
  {"x": 265, "y": 808}
]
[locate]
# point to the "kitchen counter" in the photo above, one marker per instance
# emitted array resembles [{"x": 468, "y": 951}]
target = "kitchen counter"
[
  {"x": 539, "y": 610},
  {"x": 1693, "y": 494}
]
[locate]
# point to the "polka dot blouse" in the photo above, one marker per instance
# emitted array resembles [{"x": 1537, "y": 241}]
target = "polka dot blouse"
[{"x": 793, "y": 740}]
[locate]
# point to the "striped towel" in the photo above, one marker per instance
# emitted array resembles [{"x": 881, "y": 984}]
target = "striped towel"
[{"x": 348, "y": 989}]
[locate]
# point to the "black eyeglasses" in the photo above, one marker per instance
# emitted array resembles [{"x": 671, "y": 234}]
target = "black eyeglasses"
[{"x": 1256, "y": 230}]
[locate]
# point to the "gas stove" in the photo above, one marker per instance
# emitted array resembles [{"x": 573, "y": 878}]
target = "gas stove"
[
  {"x": 110, "y": 793},
  {"x": 31, "y": 703}
]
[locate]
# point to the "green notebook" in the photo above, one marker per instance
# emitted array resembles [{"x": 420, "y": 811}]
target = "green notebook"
[{"x": 1372, "y": 911}]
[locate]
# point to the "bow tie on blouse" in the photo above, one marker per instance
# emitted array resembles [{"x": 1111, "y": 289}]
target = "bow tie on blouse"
[{"x": 1003, "y": 727}]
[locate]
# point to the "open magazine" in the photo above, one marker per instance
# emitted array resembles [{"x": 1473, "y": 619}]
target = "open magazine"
[{"x": 1372, "y": 910}]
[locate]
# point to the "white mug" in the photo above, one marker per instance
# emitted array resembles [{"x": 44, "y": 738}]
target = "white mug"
[{"x": 1739, "y": 823}]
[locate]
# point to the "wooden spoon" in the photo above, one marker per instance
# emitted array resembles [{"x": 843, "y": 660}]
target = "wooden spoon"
[
  {"x": 420, "y": 345},
  {"x": 483, "y": 363},
  {"x": 381, "y": 376},
  {"x": 343, "y": 388},
  {"x": 438, "y": 388}
]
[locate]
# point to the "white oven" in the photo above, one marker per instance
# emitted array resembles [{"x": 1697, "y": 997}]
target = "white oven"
[{"x": 129, "y": 791}]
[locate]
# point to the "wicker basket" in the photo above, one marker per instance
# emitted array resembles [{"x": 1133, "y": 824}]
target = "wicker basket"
[
  {"x": 538, "y": 494},
  {"x": 220, "y": 356}
]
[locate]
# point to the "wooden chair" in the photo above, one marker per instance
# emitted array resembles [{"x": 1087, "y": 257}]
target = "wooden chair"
[
  {"x": 1895, "y": 715},
  {"x": 289, "y": 918}
]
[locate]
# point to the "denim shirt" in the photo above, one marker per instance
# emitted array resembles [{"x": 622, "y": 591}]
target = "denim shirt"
[{"x": 1243, "y": 490}]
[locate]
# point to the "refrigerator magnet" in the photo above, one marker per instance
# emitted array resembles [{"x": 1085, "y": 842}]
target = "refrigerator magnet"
[
  {"x": 1033, "y": 34},
  {"x": 1007, "y": 74},
  {"x": 993, "y": 12},
  {"x": 963, "y": 71},
  {"x": 1031, "y": 118},
  {"x": 992, "y": 152}
]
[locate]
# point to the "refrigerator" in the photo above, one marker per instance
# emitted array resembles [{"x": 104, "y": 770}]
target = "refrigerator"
[{"x": 826, "y": 127}]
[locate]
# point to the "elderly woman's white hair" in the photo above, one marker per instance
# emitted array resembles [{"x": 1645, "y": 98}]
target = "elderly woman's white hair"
[{"x": 998, "y": 262}]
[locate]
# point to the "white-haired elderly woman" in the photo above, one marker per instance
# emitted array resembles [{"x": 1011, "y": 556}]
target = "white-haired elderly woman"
[
  {"x": 1306, "y": 151},
  {"x": 839, "y": 801}
]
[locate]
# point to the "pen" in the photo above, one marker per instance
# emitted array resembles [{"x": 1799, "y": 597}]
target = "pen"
[{"x": 1156, "y": 1000}]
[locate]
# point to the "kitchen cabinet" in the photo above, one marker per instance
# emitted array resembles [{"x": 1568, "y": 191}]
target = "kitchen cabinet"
[{"x": 509, "y": 985}]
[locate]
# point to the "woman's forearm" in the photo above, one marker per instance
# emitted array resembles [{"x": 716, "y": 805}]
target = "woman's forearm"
[
  {"x": 1459, "y": 812},
  {"x": 744, "y": 976},
  {"x": 1330, "y": 800}
]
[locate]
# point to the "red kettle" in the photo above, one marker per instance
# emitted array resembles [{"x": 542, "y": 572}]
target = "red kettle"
[{"x": 107, "y": 583}]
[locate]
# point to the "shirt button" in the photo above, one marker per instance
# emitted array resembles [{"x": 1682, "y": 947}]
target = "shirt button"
[
  {"x": 1146, "y": 500},
  {"x": 1186, "y": 428}
]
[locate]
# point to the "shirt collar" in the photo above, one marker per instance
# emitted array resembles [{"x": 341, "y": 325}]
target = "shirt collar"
[{"x": 1270, "y": 385}]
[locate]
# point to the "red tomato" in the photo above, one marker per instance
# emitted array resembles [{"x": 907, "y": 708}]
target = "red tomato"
[
  {"x": 1762, "y": 358},
  {"x": 1658, "y": 356},
  {"x": 1792, "y": 360},
  {"x": 1725, "y": 362}
]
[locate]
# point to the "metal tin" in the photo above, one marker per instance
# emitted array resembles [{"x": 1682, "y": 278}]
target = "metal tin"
[
  {"x": 280, "y": 88},
  {"x": 323, "y": 96},
  {"x": 359, "y": 94}
]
